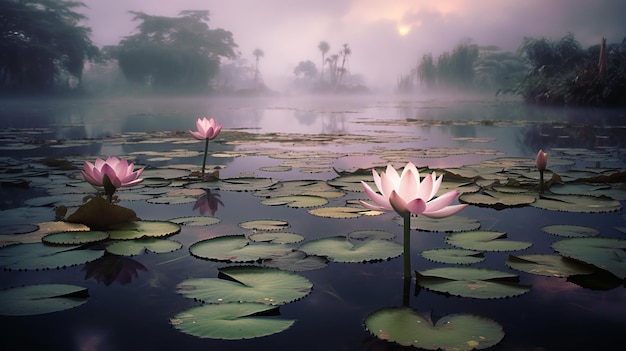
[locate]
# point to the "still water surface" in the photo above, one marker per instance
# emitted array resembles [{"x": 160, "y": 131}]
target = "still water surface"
[{"x": 134, "y": 313}]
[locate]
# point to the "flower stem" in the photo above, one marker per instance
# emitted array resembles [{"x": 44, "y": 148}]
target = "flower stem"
[
  {"x": 206, "y": 149},
  {"x": 407, "y": 247},
  {"x": 540, "y": 181}
]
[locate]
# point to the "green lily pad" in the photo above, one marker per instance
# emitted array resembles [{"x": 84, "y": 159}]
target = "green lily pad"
[
  {"x": 371, "y": 234},
  {"x": 40, "y": 256},
  {"x": 605, "y": 253},
  {"x": 247, "y": 284},
  {"x": 472, "y": 282},
  {"x": 341, "y": 249},
  {"x": 498, "y": 200},
  {"x": 143, "y": 229},
  {"x": 236, "y": 184},
  {"x": 483, "y": 240},
  {"x": 577, "y": 203},
  {"x": 277, "y": 238},
  {"x": 296, "y": 261},
  {"x": 75, "y": 237},
  {"x": 296, "y": 201},
  {"x": 231, "y": 321},
  {"x": 39, "y": 299},
  {"x": 453, "y": 256},
  {"x": 447, "y": 225},
  {"x": 548, "y": 265},
  {"x": 196, "y": 221},
  {"x": 236, "y": 248},
  {"x": 453, "y": 332},
  {"x": 570, "y": 231},
  {"x": 342, "y": 212},
  {"x": 135, "y": 247},
  {"x": 265, "y": 224},
  {"x": 300, "y": 187}
]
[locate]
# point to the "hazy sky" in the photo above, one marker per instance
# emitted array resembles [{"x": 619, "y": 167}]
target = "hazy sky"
[{"x": 387, "y": 37}]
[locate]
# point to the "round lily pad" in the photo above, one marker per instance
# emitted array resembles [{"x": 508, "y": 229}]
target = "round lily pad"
[
  {"x": 548, "y": 265},
  {"x": 453, "y": 332},
  {"x": 247, "y": 284},
  {"x": 296, "y": 261},
  {"x": 196, "y": 220},
  {"x": 448, "y": 224},
  {"x": 453, "y": 256},
  {"x": 471, "y": 282},
  {"x": 265, "y": 224},
  {"x": 277, "y": 238},
  {"x": 296, "y": 201},
  {"x": 236, "y": 248},
  {"x": 135, "y": 247},
  {"x": 577, "y": 203},
  {"x": 231, "y": 321},
  {"x": 371, "y": 234},
  {"x": 342, "y": 212},
  {"x": 143, "y": 229},
  {"x": 570, "y": 231},
  {"x": 482, "y": 240},
  {"x": 605, "y": 253},
  {"x": 41, "y": 256},
  {"x": 341, "y": 249},
  {"x": 497, "y": 199},
  {"x": 39, "y": 299},
  {"x": 75, "y": 237}
]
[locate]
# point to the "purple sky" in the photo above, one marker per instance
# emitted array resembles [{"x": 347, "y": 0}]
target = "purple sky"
[{"x": 387, "y": 37}]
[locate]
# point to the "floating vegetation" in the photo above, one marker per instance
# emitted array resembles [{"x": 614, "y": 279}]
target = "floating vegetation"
[
  {"x": 341, "y": 249},
  {"x": 484, "y": 240},
  {"x": 472, "y": 282},
  {"x": 453, "y": 332},
  {"x": 236, "y": 248},
  {"x": 453, "y": 256},
  {"x": 40, "y": 299}
]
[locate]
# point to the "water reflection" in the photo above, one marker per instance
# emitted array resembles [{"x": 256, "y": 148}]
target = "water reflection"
[
  {"x": 208, "y": 203},
  {"x": 113, "y": 268}
]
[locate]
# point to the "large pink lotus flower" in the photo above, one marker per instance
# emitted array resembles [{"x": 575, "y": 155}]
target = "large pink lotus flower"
[
  {"x": 207, "y": 129},
  {"x": 118, "y": 171},
  {"x": 407, "y": 195}
]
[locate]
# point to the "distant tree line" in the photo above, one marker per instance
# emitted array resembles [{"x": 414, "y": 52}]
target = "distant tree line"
[
  {"x": 541, "y": 71},
  {"x": 42, "y": 46}
]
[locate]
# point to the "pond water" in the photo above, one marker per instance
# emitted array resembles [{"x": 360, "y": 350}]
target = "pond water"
[{"x": 133, "y": 300}]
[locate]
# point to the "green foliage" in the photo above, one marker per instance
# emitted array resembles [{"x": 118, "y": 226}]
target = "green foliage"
[
  {"x": 561, "y": 72},
  {"x": 43, "y": 47},
  {"x": 175, "y": 52}
]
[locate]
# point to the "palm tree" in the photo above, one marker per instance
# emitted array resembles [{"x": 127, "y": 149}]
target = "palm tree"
[
  {"x": 344, "y": 53},
  {"x": 258, "y": 53},
  {"x": 324, "y": 48}
]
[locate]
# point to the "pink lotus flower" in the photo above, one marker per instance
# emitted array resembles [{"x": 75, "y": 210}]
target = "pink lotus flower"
[
  {"x": 541, "y": 161},
  {"x": 407, "y": 195},
  {"x": 119, "y": 173},
  {"x": 207, "y": 129}
]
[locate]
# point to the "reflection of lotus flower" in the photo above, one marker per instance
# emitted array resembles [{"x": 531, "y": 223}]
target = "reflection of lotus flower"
[
  {"x": 207, "y": 130},
  {"x": 111, "y": 174},
  {"x": 208, "y": 203},
  {"x": 110, "y": 268},
  {"x": 407, "y": 195}
]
